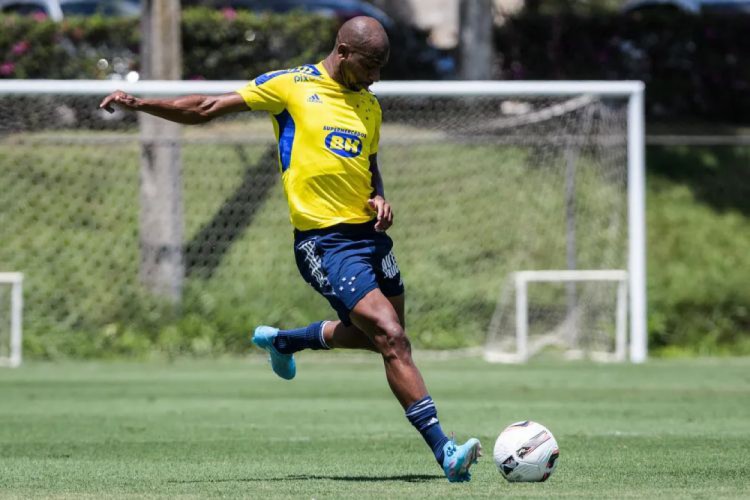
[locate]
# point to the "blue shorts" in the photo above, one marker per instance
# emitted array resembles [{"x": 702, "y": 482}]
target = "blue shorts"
[{"x": 345, "y": 262}]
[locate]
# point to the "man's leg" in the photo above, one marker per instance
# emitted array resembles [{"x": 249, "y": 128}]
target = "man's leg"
[
  {"x": 336, "y": 335},
  {"x": 382, "y": 320},
  {"x": 377, "y": 317},
  {"x": 379, "y": 327},
  {"x": 282, "y": 344},
  {"x": 339, "y": 336}
]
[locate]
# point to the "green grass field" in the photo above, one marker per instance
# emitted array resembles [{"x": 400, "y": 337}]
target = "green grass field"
[{"x": 668, "y": 429}]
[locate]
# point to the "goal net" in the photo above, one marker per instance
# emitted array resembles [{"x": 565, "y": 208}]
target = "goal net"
[{"x": 115, "y": 219}]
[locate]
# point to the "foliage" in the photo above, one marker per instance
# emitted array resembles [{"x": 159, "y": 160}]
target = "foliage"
[
  {"x": 699, "y": 232},
  {"x": 39, "y": 48},
  {"x": 216, "y": 44},
  {"x": 692, "y": 65},
  {"x": 223, "y": 44},
  {"x": 578, "y": 7},
  {"x": 229, "y": 44}
]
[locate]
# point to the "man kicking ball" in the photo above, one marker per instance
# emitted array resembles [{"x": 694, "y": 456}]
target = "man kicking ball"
[{"x": 327, "y": 124}]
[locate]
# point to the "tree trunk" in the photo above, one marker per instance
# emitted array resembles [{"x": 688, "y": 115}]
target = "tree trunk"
[
  {"x": 162, "y": 268},
  {"x": 476, "y": 21}
]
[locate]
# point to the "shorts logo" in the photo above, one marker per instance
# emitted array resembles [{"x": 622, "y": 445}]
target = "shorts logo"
[
  {"x": 343, "y": 144},
  {"x": 389, "y": 265},
  {"x": 314, "y": 264}
]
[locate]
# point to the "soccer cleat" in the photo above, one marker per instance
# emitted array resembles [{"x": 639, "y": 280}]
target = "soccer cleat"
[
  {"x": 283, "y": 364},
  {"x": 458, "y": 459}
]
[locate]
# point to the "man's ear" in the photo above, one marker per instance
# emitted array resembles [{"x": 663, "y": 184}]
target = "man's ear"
[{"x": 343, "y": 51}]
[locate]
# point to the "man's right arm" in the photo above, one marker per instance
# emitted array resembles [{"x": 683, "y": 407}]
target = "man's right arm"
[{"x": 188, "y": 110}]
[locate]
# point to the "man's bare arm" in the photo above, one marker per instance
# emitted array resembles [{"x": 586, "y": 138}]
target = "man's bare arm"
[
  {"x": 377, "y": 199},
  {"x": 188, "y": 110},
  {"x": 377, "y": 179}
]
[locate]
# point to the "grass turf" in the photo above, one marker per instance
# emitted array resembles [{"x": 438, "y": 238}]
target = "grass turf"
[{"x": 231, "y": 429}]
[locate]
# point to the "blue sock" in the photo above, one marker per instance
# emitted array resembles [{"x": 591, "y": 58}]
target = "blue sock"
[
  {"x": 309, "y": 337},
  {"x": 423, "y": 416}
]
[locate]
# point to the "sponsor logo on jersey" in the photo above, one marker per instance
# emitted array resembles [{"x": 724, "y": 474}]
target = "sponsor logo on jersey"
[
  {"x": 344, "y": 144},
  {"x": 307, "y": 69},
  {"x": 355, "y": 133},
  {"x": 315, "y": 98}
]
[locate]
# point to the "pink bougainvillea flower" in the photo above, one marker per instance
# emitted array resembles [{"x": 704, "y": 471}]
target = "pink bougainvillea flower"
[
  {"x": 229, "y": 13},
  {"x": 7, "y": 68},
  {"x": 20, "y": 48}
]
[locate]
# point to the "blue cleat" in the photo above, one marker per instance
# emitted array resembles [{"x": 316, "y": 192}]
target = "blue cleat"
[
  {"x": 283, "y": 364},
  {"x": 458, "y": 459}
]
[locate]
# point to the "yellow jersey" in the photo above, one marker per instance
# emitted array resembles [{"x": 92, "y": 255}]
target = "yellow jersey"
[{"x": 326, "y": 134}]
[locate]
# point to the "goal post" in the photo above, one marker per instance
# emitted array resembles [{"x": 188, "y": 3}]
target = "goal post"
[
  {"x": 491, "y": 180},
  {"x": 523, "y": 350},
  {"x": 10, "y": 350},
  {"x": 633, "y": 92}
]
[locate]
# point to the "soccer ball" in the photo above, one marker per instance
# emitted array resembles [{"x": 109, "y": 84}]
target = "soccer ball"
[{"x": 526, "y": 452}]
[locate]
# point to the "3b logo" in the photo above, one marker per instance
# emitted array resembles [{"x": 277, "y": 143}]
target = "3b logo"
[{"x": 343, "y": 144}]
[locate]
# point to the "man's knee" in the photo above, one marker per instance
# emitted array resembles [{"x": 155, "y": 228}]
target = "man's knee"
[{"x": 392, "y": 340}]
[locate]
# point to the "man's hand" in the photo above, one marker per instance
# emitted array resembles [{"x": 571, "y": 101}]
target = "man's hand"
[
  {"x": 121, "y": 98},
  {"x": 383, "y": 209}
]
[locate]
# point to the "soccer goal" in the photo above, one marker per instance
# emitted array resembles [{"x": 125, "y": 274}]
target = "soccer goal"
[
  {"x": 11, "y": 306},
  {"x": 519, "y": 214},
  {"x": 592, "y": 324}
]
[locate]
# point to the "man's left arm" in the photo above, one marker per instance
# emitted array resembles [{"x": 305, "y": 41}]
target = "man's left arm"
[{"x": 377, "y": 200}]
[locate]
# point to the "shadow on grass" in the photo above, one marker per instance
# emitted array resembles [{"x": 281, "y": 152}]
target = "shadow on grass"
[
  {"x": 406, "y": 478},
  {"x": 717, "y": 175}
]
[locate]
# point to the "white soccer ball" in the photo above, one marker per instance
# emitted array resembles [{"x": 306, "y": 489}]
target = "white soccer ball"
[{"x": 526, "y": 452}]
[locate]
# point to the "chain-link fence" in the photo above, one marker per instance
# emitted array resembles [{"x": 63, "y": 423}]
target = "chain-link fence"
[{"x": 481, "y": 187}]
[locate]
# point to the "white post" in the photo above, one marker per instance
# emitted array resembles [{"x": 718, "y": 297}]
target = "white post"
[
  {"x": 621, "y": 321},
  {"x": 637, "y": 226},
  {"x": 15, "y": 322},
  {"x": 522, "y": 324},
  {"x": 16, "y": 314}
]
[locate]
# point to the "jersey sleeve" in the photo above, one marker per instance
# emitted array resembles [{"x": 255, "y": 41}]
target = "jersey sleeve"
[{"x": 268, "y": 92}]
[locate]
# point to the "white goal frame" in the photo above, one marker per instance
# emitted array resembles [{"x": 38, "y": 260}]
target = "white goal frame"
[
  {"x": 521, "y": 280},
  {"x": 15, "y": 280},
  {"x": 633, "y": 91}
]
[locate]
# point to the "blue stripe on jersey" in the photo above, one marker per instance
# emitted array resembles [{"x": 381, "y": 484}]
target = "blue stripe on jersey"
[
  {"x": 268, "y": 76},
  {"x": 286, "y": 138},
  {"x": 308, "y": 69}
]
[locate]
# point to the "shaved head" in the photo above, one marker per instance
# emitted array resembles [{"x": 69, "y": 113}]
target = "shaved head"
[
  {"x": 361, "y": 50},
  {"x": 364, "y": 33}
]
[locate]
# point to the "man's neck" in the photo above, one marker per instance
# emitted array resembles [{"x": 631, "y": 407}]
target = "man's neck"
[{"x": 332, "y": 69}]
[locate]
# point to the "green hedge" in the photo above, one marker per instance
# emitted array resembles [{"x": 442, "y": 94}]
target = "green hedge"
[
  {"x": 31, "y": 48},
  {"x": 223, "y": 45},
  {"x": 694, "y": 66},
  {"x": 216, "y": 44}
]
